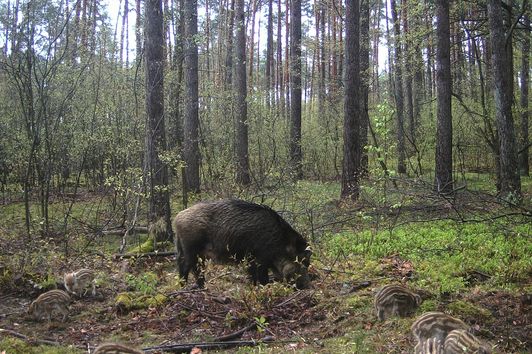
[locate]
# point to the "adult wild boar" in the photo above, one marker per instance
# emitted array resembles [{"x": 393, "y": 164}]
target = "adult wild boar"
[{"x": 229, "y": 231}]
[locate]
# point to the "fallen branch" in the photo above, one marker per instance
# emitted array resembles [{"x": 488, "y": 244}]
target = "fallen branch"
[
  {"x": 144, "y": 255},
  {"x": 28, "y": 339},
  {"x": 236, "y": 334},
  {"x": 200, "y": 311},
  {"x": 120, "y": 232},
  {"x": 187, "y": 347},
  {"x": 292, "y": 298},
  {"x": 186, "y": 291}
]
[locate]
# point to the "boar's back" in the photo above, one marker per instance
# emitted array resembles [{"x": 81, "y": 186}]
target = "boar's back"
[{"x": 229, "y": 229}]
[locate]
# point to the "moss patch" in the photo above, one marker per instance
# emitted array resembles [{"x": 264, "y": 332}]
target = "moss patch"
[
  {"x": 469, "y": 312},
  {"x": 18, "y": 346},
  {"x": 128, "y": 301}
]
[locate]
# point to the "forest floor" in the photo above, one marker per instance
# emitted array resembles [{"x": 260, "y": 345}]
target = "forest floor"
[{"x": 469, "y": 257}]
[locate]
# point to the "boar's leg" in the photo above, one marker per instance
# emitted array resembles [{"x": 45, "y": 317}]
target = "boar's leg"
[
  {"x": 258, "y": 273},
  {"x": 198, "y": 269}
]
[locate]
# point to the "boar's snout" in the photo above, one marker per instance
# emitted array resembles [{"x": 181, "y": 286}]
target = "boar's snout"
[{"x": 297, "y": 271}]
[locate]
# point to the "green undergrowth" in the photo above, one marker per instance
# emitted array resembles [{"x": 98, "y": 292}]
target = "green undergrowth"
[
  {"x": 17, "y": 346},
  {"x": 444, "y": 252}
]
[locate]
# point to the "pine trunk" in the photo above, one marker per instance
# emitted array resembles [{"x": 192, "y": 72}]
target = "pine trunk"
[
  {"x": 191, "y": 151},
  {"x": 510, "y": 182},
  {"x": 443, "y": 179},
  {"x": 525, "y": 78},
  {"x": 156, "y": 138},
  {"x": 352, "y": 149},
  {"x": 399, "y": 97},
  {"x": 295, "y": 89},
  {"x": 242, "y": 159}
]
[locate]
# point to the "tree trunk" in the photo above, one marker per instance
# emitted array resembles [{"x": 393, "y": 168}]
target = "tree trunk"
[
  {"x": 207, "y": 41},
  {"x": 352, "y": 149},
  {"x": 252, "y": 42},
  {"x": 241, "y": 111},
  {"x": 376, "y": 39},
  {"x": 155, "y": 130},
  {"x": 443, "y": 179},
  {"x": 269, "y": 56},
  {"x": 229, "y": 53},
  {"x": 399, "y": 99},
  {"x": 123, "y": 32},
  {"x": 364, "y": 82},
  {"x": 409, "y": 106},
  {"x": 429, "y": 81},
  {"x": 510, "y": 182},
  {"x": 525, "y": 78},
  {"x": 295, "y": 89},
  {"x": 138, "y": 32},
  {"x": 287, "y": 58},
  {"x": 280, "y": 81},
  {"x": 322, "y": 62},
  {"x": 175, "y": 111},
  {"x": 191, "y": 151}
]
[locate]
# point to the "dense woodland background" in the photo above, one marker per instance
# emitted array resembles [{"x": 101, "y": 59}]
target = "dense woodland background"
[
  {"x": 396, "y": 131},
  {"x": 256, "y": 93}
]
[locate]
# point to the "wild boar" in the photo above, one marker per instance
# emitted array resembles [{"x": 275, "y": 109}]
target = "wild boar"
[
  {"x": 395, "y": 300},
  {"x": 77, "y": 282},
  {"x": 48, "y": 304},
  {"x": 230, "y": 231}
]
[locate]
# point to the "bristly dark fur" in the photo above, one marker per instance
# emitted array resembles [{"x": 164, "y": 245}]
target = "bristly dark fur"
[{"x": 234, "y": 230}]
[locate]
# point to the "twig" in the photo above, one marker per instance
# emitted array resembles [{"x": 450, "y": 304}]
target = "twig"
[
  {"x": 203, "y": 312},
  {"x": 143, "y": 255},
  {"x": 28, "y": 339},
  {"x": 120, "y": 232},
  {"x": 10, "y": 313},
  {"x": 187, "y": 347},
  {"x": 189, "y": 291},
  {"x": 291, "y": 298},
  {"x": 236, "y": 334}
]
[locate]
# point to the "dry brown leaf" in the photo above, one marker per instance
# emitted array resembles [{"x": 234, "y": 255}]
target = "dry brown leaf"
[{"x": 196, "y": 350}]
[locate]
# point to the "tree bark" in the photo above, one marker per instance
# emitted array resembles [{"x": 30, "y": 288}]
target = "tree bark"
[
  {"x": 191, "y": 151},
  {"x": 352, "y": 149},
  {"x": 123, "y": 32},
  {"x": 399, "y": 98},
  {"x": 280, "y": 81},
  {"x": 241, "y": 111},
  {"x": 138, "y": 32},
  {"x": 510, "y": 182},
  {"x": 408, "y": 75},
  {"x": 287, "y": 58},
  {"x": 175, "y": 111},
  {"x": 364, "y": 82},
  {"x": 443, "y": 179},
  {"x": 156, "y": 138},
  {"x": 269, "y": 56},
  {"x": 229, "y": 53},
  {"x": 525, "y": 78},
  {"x": 295, "y": 89}
]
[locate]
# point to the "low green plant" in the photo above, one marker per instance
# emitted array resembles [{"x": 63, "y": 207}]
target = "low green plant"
[
  {"x": 262, "y": 323},
  {"x": 145, "y": 283},
  {"x": 443, "y": 251}
]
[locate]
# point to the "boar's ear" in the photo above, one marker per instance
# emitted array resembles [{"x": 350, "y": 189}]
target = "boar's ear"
[{"x": 290, "y": 249}]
